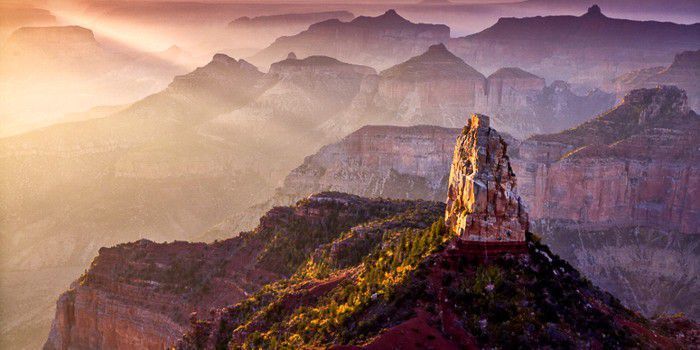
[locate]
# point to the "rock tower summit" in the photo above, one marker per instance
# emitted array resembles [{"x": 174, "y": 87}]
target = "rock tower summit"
[{"x": 482, "y": 203}]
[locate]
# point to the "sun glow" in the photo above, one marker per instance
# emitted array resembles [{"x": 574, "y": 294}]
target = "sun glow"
[{"x": 127, "y": 34}]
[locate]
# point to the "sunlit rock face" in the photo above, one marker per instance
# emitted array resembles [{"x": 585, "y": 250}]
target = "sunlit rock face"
[
  {"x": 585, "y": 50},
  {"x": 617, "y": 196},
  {"x": 482, "y": 203},
  {"x": 378, "y": 42},
  {"x": 684, "y": 73},
  {"x": 379, "y": 161}
]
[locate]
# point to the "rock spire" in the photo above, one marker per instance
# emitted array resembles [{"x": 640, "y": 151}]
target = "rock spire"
[{"x": 482, "y": 204}]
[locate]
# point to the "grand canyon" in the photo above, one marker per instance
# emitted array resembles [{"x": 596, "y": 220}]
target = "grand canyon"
[{"x": 413, "y": 175}]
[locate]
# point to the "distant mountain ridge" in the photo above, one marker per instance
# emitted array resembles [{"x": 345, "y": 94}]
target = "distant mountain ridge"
[
  {"x": 683, "y": 72},
  {"x": 586, "y": 50},
  {"x": 260, "y": 31},
  {"x": 379, "y": 42},
  {"x": 291, "y": 18},
  {"x": 438, "y": 87}
]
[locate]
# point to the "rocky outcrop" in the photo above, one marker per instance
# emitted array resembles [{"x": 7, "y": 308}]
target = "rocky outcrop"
[
  {"x": 378, "y": 42},
  {"x": 649, "y": 133},
  {"x": 587, "y": 50},
  {"x": 482, "y": 201},
  {"x": 684, "y": 73},
  {"x": 141, "y": 294}
]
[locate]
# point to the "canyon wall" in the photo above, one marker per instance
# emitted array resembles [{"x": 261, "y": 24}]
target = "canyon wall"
[{"x": 631, "y": 166}]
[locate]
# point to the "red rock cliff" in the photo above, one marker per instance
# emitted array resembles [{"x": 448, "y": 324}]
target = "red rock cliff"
[{"x": 634, "y": 165}]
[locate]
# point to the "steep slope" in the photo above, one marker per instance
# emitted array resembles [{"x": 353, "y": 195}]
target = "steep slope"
[
  {"x": 378, "y": 42},
  {"x": 475, "y": 279},
  {"x": 146, "y": 290},
  {"x": 684, "y": 73},
  {"x": 586, "y": 50},
  {"x": 646, "y": 213}
]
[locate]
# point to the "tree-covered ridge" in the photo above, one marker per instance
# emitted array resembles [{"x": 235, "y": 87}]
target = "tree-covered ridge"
[
  {"x": 342, "y": 277},
  {"x": 408, "y": 271}
]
